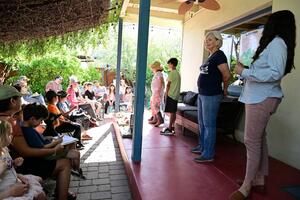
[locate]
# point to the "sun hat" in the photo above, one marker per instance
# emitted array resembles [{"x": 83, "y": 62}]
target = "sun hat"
[
  {"x": 7, "y": 91},
  {"x": 73, "y": 79},
  {"x": 156, "y": 65}
]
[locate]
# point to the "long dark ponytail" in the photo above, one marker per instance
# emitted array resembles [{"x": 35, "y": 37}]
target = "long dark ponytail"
[{"x": 282, "y": 24}]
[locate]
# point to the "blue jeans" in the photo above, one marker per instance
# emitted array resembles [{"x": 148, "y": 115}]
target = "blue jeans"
[{"x": 208, "y": 107}]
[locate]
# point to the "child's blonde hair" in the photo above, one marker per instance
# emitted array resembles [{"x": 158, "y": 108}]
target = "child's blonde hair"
[{"x": 5, "y": 132}]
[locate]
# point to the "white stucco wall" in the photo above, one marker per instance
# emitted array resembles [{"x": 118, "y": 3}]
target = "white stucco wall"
[{"x": 284, "y": 127}]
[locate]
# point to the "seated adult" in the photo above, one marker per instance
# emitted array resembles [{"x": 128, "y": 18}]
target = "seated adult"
[
  {"x": 28, "y": 96},
  {"x": 99, "y": 91},
  {"x": 34, "y": 162},
  {"x": 54, "y": 85},
  {"x": 91, "y": 98},
  {"x": 61, "y": 124},
  {"x": 75, "y": 98}
]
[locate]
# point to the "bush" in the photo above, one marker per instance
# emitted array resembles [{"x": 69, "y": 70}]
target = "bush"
[{"x": 41, "y": 71}]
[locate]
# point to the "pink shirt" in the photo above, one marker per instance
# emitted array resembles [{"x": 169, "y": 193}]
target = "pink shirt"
[
  {"x": 52, "y": 85},
  {"x": 72, "y": 97}
]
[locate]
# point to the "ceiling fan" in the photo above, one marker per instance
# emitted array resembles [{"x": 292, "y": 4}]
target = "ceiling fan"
[{"x": 186, "y": 5}]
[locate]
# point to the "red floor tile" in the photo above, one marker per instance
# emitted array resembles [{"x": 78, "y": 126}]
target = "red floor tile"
[{"x": 167, "y": 170}]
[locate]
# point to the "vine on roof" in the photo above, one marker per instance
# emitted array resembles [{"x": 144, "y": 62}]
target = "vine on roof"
[{"x": 14, "y": 52}]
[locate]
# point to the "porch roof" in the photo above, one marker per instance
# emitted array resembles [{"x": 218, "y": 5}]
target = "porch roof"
[
  {"x": 162, "y": 12},
  {"x": 21, "y": 20}
]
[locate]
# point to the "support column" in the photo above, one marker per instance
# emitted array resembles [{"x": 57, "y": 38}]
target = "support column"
[
  {"x": 119, "y": 58},
  {"x": 141, "y": 66}
]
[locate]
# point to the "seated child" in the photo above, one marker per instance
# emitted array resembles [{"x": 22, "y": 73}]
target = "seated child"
[
  {"x": 62, "y": 124},
  {"x": 33, "y": 115},
  {"x": 128, "y": 98},
  {"x": 13, "y": 185}
]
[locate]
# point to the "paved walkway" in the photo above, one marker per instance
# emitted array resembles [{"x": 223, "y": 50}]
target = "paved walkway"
[{"x": 103, "y": 167}]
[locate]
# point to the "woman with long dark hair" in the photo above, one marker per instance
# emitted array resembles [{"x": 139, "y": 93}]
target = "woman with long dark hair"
[{"x": 273, "y": 59}]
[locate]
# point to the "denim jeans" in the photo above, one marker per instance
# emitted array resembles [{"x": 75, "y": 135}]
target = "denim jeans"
[{"x": 208, "y": 107}]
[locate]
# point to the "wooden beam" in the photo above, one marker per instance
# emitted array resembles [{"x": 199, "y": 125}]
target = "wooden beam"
[
  {"x": 124, "y": 8},
  {"x": 158, "y": 14}
]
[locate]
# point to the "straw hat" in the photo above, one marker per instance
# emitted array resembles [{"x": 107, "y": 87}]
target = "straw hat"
[{"x": 156, "y": 65}]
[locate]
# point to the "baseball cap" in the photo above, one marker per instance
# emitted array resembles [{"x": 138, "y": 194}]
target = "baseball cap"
[
  {"x": 59, "y": 77},
  {"x": 7, "y": 91},
  {"x": 24, "y": 78}
]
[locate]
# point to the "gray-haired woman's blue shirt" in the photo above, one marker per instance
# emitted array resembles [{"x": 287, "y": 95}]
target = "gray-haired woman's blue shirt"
[{"x": 263, "y": 77}]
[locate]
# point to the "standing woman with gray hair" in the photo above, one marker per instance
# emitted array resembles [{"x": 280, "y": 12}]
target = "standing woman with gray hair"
[{"x": 213, "y": 72}]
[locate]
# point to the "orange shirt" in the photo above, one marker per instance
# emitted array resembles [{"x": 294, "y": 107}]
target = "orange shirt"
[{"x": 54, "y": 110}]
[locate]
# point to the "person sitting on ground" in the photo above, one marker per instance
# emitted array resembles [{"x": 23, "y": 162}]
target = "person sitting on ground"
[
  {"x": 74, "y": 114},
  {"x": 111, "y": 97},
  {"x": 34, "y": 162},
  {"x": 33, "y": 115},
  {"x": 54, "y": 85},
  {"x": 61, "y": 124},
  {"x": 28, "y": 96},
  {"x": 13, "y": 185}
]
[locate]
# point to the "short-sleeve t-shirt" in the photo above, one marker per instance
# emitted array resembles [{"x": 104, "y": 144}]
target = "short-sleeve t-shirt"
[
  {"x": 54, "y": 110},
  {"x": 33, "y": 138},
  {"x": 174, "y": 78},
  {"x": 210, "y": 79},
  {"x": 89, "y": 94}
]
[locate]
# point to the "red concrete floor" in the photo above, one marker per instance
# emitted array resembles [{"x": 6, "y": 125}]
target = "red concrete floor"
[{"x": 168, "y": 172}]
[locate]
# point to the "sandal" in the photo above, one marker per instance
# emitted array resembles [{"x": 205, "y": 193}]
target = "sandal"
[
  {"x": 86, "y": 137},
  {"x": 150, "y": 119},
  {"x": 78, "y": 173}
]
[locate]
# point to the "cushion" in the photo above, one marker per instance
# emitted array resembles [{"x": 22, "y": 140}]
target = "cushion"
[
  {"x": 190, "y": 98},
  {"x": 182, "y": 94},
  {"x": 191, "y": 115},
  {"x": 182, "y": 107}
]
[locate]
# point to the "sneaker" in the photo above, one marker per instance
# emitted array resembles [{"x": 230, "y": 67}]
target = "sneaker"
[
  {"x": 167, "y": 132},
  {"x": 196, "y": 150},
  {"x": 201, "y": 159}
]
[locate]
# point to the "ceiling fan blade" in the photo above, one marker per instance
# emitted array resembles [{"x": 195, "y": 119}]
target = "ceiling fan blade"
[
  {"x": 184, "y": 7},
  {"x": 210, "y": 4}
]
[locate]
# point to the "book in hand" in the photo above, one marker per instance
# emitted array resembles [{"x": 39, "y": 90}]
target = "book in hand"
[{"x": 67, "y": 140}]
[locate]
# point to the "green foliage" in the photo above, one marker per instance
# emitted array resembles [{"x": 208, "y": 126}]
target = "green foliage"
[
  {"x": 107, "y": 54},
  {"x": 233, "y": 76},
  {"x": 246, "y": 57},
  {"x": 41, "y": 71}
]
